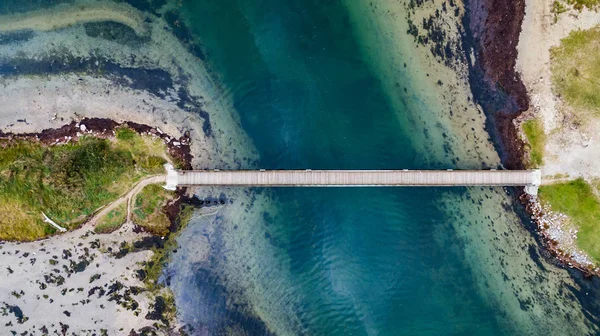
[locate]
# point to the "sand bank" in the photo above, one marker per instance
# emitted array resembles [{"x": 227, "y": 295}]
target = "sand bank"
[
  {"x": 66, "y": 15},
  {"x": 158, "y": 83}
]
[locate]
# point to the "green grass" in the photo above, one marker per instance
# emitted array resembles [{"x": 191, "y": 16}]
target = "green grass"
[
  {"x": 580, "y": 4},
  {"x": 577, "y": 200},
  {"x": 112, "y": 220},
  {"x": 576, "y": 72},
  {"x": 147, "y": 209},
  {"x": 160, "y": 256},
  {"x": 68, "y": 182},
  {"x": 557, "y": 9},
  {"x": 534, "y": 130}
]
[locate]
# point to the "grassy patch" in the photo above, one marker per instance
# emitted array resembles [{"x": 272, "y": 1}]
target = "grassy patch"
[
  {"x": 534, "y": 130},
  {"x": 577, "y": 200},
  {"x": 68, "y": 182},
  {"x": 154, "y": 266},
  {"x": 147, "y": 209},
  {"x": 557, "y": 9},
  {"x": 576, "y": 72},
  {"x": 580, "y": 4},
  {"x": 112, "y": 220},
  {"x": 563, "y": 6}
]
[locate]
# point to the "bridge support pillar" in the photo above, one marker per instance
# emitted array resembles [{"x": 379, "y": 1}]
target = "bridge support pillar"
[{"x": 532, "y": 189}]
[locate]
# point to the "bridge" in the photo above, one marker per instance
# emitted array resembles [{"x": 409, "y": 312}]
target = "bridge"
[{"x": 530, "y": 179}]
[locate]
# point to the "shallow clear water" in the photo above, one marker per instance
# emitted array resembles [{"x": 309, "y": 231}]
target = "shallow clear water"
[{"x": 361, "y": 261}]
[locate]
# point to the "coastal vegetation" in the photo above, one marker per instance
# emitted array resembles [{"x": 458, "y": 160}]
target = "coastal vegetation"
[
  {"x": 563, "y": 6},
  {"x": 112, "y": 220},
  {"x": 557, "y": 9},
  {"x": 569, "y": 209},
  {"x": 69, "y": 182},
  {"x": 577, "y": 200},
  {"x": 160, "y": 256},
  {"x": 576, "y": 72},
  {"x": 581, "y": 4},
  {"x": 534, "y": 131},
  {"x": 147, "y": 211}
]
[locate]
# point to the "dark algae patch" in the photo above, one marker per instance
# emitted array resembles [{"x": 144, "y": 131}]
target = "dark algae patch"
[
  {"x": 15, "y": 37},
  {"x": 430, "y": 32},
  {"x": 114, "y": 31},
  {"x": 15, "y": 310},
  {"x": 491, "y": 29},
  {"x": 183, "y": 33},
  {"x": 155, "y": 81}
]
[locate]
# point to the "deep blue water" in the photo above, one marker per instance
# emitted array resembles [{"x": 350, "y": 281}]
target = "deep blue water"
[{"x": 361, "y": 261}]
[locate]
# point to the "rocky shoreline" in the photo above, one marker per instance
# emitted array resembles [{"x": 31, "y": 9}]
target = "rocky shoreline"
[
  {"x": 546, "y": 223},
  {"x": 493, "y": 30},
  {"x": 104, "y": 128}
]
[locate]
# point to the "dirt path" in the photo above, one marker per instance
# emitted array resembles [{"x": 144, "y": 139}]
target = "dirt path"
[{"x": 126, "y": 198}]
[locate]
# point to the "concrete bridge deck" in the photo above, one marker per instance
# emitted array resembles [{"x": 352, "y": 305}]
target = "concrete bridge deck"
[{"x": 354, "y": 178}]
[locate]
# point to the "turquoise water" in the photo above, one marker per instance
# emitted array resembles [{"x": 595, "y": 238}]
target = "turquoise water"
[
  {"x": 334, "y": 85},
  {"x": 363, "y": 261},
  {"x": 325, "y": 261}
]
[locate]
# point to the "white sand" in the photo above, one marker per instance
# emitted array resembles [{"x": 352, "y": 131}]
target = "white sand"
[{"x": 27, "y": 273}]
